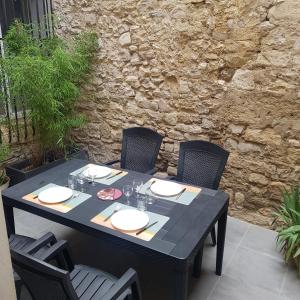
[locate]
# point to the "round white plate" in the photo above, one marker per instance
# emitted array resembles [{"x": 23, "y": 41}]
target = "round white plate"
[
  {"x": 55, "y": 194},
  {"x": 98, "y": 171},
  {"x": 129, "y": 219},
  {"x": 166, "y": 188}
]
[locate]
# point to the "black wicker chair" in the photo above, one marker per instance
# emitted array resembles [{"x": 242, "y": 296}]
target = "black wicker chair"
[
  {"x": 46, "y": 282},
  {"x": 201, "y": 163},
  {"x": 32, "y": 246},
  {"x": 140, "y": 147}
]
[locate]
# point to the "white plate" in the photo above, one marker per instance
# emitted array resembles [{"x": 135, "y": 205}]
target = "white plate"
[
  {"x": 55, "y": 194},
  {"x": 98, "y": 171},
  {"x": 129, "y": 219},
  {"x": 166, "y": 188}
]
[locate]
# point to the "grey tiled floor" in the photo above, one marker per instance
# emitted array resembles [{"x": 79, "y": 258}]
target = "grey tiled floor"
[{"x": 252, "y": 269}]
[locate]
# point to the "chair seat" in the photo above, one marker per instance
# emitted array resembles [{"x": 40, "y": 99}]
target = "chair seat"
[{"x": 92, "y": 284}]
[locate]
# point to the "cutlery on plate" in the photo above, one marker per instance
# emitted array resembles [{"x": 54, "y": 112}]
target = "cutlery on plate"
[
  {"x": 112, "y": 176},
  {"x": 179, "y": 195},
  {"x": 145, "y": 228},
  {"x": 118, "y": 207},
  {"x": 149, "y": 187},
  {"x": 34, "y": 197}
]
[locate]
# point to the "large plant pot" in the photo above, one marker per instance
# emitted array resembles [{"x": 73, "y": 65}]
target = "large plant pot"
[{"x": 17, "y": 174}]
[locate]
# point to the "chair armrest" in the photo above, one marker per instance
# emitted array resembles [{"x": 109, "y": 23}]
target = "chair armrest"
[
  {"x": 152, "y": 171},
  {"x": 128, "y": 280},
  {"x": 48, "y": 238},
  {"x": 112, "y": 162},
  {"x": 61, "y": 252}
]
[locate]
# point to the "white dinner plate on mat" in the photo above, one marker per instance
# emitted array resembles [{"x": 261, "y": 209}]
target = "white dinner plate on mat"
[
  {"x": 97, "y": 171},
  {"x": 129, "y": 219},
  {"x": 55, "y": 194},
  {"x": 166, "y": 188}
]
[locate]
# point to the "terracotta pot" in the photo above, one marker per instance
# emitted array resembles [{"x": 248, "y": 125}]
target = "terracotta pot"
[{"x": 5, "y": 185}]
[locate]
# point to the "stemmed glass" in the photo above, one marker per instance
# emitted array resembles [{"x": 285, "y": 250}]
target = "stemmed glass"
[
  {"x": 127, "y": 191},
  {"x": 137, "y": 184},
  {"x": 150, "y": 197}
]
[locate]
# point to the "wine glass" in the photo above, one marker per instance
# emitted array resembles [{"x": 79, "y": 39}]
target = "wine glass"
[
  {"x": 127, "y": 191},
  {"x": 137, "y": 184},
  {"x": 150, "y": 197}
]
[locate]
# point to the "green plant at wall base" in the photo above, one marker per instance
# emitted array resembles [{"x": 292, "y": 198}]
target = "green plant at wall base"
[
  {"x": 288, "y": 220},
  {"x": 4, "y": 151},
  {"x": 46, "y": 75}
]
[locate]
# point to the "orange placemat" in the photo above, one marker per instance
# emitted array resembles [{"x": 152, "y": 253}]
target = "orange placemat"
[
  {"x": 63, "y": 207},
  {"x": 146, "y": 235}
]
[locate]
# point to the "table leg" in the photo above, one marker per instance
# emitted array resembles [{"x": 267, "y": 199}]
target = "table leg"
[
  {"x": 222, "y": 222},
  {"x": 181, "y": 285},
  {"x": 198, "y": 263},
  {"x": 9, "y": 218}
]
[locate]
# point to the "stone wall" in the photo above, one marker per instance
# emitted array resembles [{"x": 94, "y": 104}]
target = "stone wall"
[{"x": 226, "y": 71}]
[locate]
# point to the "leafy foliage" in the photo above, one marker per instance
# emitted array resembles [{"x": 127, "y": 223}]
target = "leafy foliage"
[
  {"x": 288, "y": 220},
  {"x": 4, "y": 151},
  {"x": 46, "y": 75}
]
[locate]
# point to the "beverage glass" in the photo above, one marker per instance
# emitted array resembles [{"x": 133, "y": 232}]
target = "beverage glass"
[
  {"x": 127, "y": 191},
  {"x": 150, "y": 197},
  {"x": 141, "y": 202},
  {"x": 137, "y": 184},
  {"x": 81, "y": 180},
  {"x": 72, "y": 182}
]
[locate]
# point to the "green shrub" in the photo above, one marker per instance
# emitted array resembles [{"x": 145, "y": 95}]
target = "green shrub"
[
  {"x": 46, "y": 75},
  {"x": 288, "y": 226}
]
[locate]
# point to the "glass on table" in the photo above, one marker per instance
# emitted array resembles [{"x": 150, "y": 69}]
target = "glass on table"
[
  {"x": 127, "y": 191},
  {"x": 92, "y": 172},
  {"x": 81, "y": 180},
  {"x": 137, "y": 184},
  {"x": 149, "y": 196},
  {"x": 141, "y": 202},
  {"x": 72, "y": 182}
]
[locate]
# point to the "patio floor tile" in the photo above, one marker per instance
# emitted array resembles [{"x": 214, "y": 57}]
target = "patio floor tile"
[
  {"x": 261, "y": 239},
  {"x": 256, "y": 268},
  {"x": 233, "y": 289}
]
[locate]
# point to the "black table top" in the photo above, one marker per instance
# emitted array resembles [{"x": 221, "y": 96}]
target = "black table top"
[{"x": 180, "y": 237}]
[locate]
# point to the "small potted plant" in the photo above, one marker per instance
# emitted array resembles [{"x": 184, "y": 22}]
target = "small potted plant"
[
  {"x": 46, "y": 75},
  {"x": 288, "y": 226},
  {"x": 4, "y": 179}
]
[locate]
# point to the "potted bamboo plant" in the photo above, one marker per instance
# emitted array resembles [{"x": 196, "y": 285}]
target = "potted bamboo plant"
[
  {"x": 46, "y": 75},
  {"x": 288, "y": 226},
  {"x": 4, "y": 179}
]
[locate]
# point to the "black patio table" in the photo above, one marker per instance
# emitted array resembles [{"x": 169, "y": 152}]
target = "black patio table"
[{"x": 176, "y": 246}]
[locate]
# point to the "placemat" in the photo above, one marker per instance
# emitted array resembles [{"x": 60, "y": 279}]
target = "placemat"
[
  {"x": 63, "y": 207},
  {"x": 146, "y": 235},
  {"x": 186, "y": 198},
  {"x": 105, "y": 180}
]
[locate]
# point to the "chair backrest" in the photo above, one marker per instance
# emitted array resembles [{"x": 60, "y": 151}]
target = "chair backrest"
[
  {"x": 43, "y": 280},
  {"x": 140, "y": 149},
  {"x": 201, "y": 163}
]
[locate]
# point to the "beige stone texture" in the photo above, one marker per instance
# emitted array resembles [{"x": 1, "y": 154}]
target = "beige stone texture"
[{"x": 224, "y": 71}]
